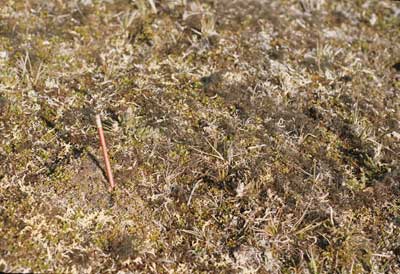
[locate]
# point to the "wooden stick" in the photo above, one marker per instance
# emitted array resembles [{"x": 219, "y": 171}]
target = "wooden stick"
[{"x": 105, "y": 153}]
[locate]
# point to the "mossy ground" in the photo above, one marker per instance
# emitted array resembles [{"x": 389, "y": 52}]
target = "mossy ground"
[{"x": 245, "y": 136}]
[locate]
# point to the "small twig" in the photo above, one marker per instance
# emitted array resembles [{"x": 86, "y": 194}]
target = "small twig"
[
  {"x": 205, "y": 153},
  {"x": 215, "y": 150},
  {"x": 105, "y": 153},
  {"x": 302, "y": 217},
  {"x": 192, "y": 192},
  {"x": 309, "y": 227},
  {"x": 153, "y": 6}
]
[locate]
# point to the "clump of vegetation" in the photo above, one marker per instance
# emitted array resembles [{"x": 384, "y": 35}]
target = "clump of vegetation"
[{"x": 245, "y": 136}]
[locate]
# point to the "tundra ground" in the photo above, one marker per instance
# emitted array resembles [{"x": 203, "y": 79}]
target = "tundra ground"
[{"x": 248, "y": 136}]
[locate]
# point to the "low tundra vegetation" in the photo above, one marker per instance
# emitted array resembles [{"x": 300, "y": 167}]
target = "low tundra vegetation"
[{"x": 245, "y": 136}]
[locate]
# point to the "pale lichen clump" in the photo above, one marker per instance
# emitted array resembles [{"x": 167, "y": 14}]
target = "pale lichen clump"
[{"x": 245, "y": 136}]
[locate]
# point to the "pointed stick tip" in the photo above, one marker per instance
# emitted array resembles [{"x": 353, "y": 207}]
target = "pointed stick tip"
[{"x": 98, "y": 121}]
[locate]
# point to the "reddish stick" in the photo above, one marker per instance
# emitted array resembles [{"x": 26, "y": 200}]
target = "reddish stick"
[{"x": 105, "y": 153}]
